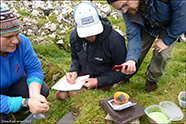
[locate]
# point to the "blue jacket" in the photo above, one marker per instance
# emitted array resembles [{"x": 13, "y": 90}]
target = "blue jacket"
[
  {"x": 23, "y": 59},
  {"x": 173, "y": 11},
  {"x": 98, "y": 58}
]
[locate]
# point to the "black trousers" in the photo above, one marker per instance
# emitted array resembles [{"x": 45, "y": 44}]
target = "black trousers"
[{"x": 20, "y": 88}]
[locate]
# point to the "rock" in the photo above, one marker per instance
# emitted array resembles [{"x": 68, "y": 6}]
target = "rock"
[
  {"x": 119, "y": 31},
  {"x": 55, "y": 76},
  {"x": 60, "y": 42}
]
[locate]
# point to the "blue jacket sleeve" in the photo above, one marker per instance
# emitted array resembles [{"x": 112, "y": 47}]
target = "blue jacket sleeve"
[
  {"x": 31, "y": 63},
  {"x": 10, "y": 104},
  {"x": 178, "y": 24},
  {"x": 134, "y": 39}
]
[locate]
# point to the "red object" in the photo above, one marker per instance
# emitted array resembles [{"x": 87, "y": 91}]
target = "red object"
[{"x": 118, "y": 67}]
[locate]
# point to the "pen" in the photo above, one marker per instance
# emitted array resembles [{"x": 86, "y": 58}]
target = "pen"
[
  {"x": 64, "y": 70},
  {"x": 66, "y": 73}
]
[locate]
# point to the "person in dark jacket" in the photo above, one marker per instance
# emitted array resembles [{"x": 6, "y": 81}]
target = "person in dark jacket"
[
  {"x": 95, "y": 49},
  {"x": 145, "y": 21}
]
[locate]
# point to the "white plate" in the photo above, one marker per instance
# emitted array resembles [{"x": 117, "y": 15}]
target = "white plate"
[
  {"x": 119, "y": 107},
  {"x": 173, "y": 109}
]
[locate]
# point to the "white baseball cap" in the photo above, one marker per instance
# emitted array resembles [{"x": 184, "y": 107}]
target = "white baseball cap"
[{"x": 87, "y": 20}]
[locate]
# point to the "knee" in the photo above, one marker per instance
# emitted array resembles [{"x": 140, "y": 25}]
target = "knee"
[
  {"x": 45, "y": 90},
  {"x": 61, "y": 95},
  {"x": 162, "y": 57},
  {"x": 166, "y": 55},
  {"x": 72, "y": 93},
  {"x": 4, "y": 118}
]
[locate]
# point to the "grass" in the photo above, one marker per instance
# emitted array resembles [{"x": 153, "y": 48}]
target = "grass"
[
  {"x": 54, "y": 55},
  {"x": 86, "y": 104}
]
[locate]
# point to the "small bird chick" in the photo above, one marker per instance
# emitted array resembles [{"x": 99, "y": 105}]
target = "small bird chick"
[{"x": 121, "y": 98}]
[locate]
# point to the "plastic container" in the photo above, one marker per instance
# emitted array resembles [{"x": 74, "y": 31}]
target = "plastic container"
[
  {"x": 31, "y": 118},
  {"x": 158, "y": 115},
  {"x": 182, "y": 99},
  {"x": 173, "y": 109}
]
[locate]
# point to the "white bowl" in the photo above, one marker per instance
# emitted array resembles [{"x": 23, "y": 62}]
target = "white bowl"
[
  {"x": 173, "y": 109},
  {"x": 182, "y": 99}
]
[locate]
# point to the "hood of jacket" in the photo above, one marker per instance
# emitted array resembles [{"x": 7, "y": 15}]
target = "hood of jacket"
[{"x": 107, "y": 27}]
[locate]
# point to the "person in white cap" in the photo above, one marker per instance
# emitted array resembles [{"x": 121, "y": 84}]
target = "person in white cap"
[
  {"x": 95, "y": 49},
  {"x": 22, "y": 86}
]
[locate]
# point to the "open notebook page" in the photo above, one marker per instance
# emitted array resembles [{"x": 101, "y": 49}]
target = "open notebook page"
[{"x": 63, "y": 85}]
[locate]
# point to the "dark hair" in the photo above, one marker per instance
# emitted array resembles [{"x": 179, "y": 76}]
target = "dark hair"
[{"x": 19, "y": 39}]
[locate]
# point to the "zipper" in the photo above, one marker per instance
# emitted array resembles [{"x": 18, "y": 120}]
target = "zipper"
[{"x": 87, "y": 59}]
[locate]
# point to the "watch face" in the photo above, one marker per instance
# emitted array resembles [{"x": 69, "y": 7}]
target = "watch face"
[{"x": 25, "y": 106}]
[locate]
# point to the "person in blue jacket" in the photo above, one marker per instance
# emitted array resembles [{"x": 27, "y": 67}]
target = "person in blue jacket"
[
  {"x": 22, "y": 85},
  {"x": 95, "y": 49},
  {"x": 151, "y": 22}
]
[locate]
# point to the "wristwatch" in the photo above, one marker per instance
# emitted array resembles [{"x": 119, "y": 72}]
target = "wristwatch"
[{"x": 25, "y": 104}]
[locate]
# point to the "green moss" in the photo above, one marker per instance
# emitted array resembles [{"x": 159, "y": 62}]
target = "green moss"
[
  {"x": 117, "y": 22},
  {"x": 57, "y": 26},
  {"x": 75, "y": 0},
  {"x": 42, "y": 17},
  {"x": 66, "y": 42},
  {"x": 40, "y": 22},
  {"x": 57, "y": 38},
  {"x": 23, "y": 13},
  {"x": 53, "y": 3},
  {"x": 53, "y": 18},
  {"x": 66, "y": 38},
  {"x": 31, "y": 38},
  {"x": 103, "y": 2},
  {"x": 49, "y": 69},
  {"x": 68, "y": 30}
]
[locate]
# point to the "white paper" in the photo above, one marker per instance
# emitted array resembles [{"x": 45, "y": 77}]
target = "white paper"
[
  {"x": 63, "y": 85},
  {"x": 118, "y": 107}
]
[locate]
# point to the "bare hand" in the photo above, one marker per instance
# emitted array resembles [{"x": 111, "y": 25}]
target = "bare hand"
[
  {"x": 159, "y": 45},
  {"x": 41, "y": 98},
  {"x": 71, "y": 76},
  {"x": 131, "y": 67},
  {"x": 90, "y": 83},
  {"x": 36, "y": 106}
]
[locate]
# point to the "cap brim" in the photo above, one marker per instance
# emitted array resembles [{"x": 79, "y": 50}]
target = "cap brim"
[{"x": 90, "y": 30}]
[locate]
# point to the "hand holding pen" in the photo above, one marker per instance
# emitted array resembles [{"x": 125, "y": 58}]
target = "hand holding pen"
[{"x": 71, "y": 76}]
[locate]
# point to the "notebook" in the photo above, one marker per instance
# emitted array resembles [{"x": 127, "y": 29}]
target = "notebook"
[{"x": 63, "y": 85}]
